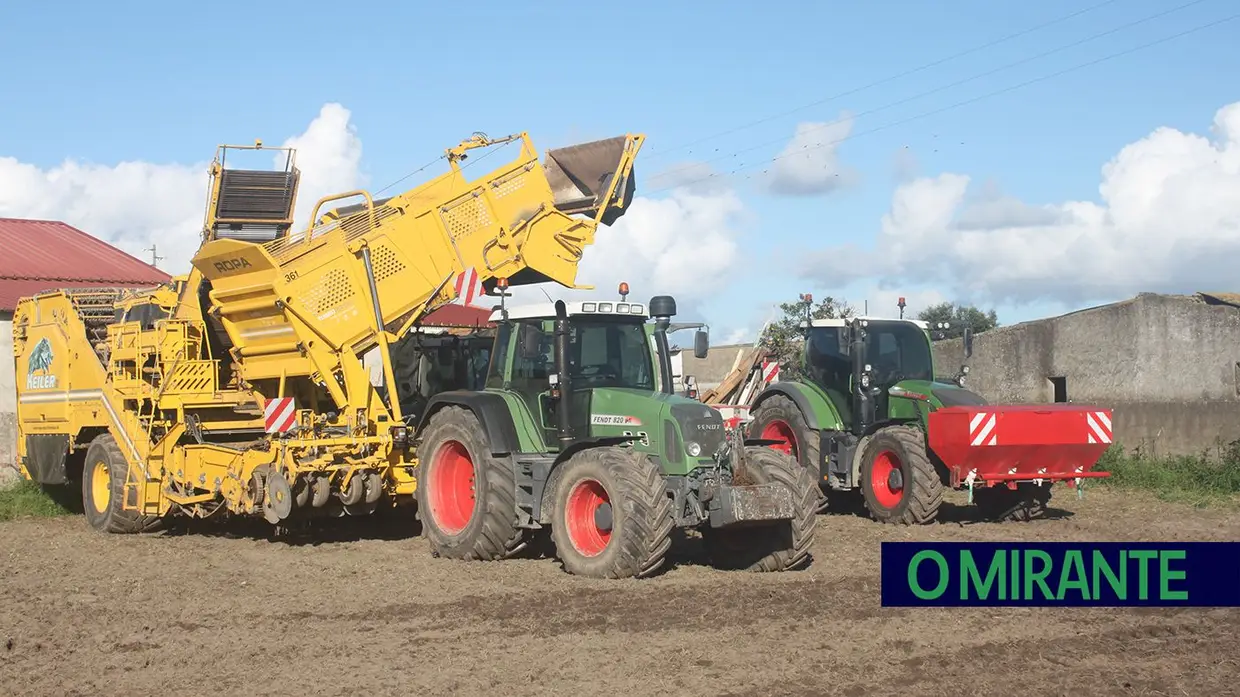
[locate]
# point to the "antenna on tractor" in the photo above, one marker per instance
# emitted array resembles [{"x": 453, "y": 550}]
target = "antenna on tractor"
[{"x": 807, "y": 299}]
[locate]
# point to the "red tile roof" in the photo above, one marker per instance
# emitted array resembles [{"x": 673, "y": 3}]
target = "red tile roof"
[
  {"x": 458, "y": 316},
  {"x": 39, "y": 255}
]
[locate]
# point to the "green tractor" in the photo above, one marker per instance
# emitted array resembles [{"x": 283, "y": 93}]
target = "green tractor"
[
  {"x": 871, "y": 415},
  {"x": 577, "y": 437}
]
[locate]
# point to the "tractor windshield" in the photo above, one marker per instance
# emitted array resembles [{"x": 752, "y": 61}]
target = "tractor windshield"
[
  {"x": 602, "y": 352},
  {"x": 899, "y": 351}
]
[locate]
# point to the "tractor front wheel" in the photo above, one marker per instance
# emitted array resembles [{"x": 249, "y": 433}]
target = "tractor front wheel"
[
  {"x": 778, "y": 418},
  {"x": 613, "y": 517},
  {"x": 783, "y": 546},
  {"x": 898, "y": 480},
  {"x": 466, "y": 496},
  {"x": 104, "y": 474}
]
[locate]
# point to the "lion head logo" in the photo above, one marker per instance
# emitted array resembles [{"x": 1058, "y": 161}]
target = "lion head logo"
[{"x": 41, "y": 357}]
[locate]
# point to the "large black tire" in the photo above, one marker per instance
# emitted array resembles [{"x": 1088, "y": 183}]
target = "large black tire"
[
  {"x": 778, "y": 417},
  {"x": 1027, "y": 502},
  {"x": 918, "y": 490},
  {"x": 104, "y": 473},
  {"x": 466, "y": 496},
  {"x": 782, "y": 546},
  {"x": 612, "y": 517}
]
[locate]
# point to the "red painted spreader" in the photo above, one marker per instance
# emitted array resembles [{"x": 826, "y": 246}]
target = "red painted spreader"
[{"x": 996, "y": 444}]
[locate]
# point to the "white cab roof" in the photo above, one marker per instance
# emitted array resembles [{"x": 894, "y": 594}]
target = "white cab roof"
[
  {"x": 609, "y": 308},
  {"x": 841, "y": 322}
]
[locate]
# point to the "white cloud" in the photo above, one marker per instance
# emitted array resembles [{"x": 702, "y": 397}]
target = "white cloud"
[
  {"x": 685, "y": 245},
  {"x": 809, "y": 164},
  {"x": 134, "y": 204},
  {"x": 1168, "y": 221}
]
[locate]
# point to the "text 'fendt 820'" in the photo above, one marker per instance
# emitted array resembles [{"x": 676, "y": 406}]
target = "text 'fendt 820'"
[{"x": 245, "y": 386}]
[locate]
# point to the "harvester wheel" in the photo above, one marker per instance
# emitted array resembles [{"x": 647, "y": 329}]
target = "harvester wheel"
[
  {"x": 613, "y": 517},
  {"x": 103, "y": 489},
  {"x": 783, "y": 547},
  {"x": 1001, "y": 504},
  {"x": 466, "y": 496},
  {"x": 900, "y": 484},
  {"x": 779, "y": 418}
]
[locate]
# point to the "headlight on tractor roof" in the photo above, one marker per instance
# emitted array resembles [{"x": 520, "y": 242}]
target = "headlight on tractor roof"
[
  {"x": 587, "y": 307},
  {"x": 638, "y": 310},
  {"x": 604, "y": 307},
  {"x": 622, "y": 307}
]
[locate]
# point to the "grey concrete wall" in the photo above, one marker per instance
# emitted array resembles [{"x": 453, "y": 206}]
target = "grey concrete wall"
[
  {"x": 8, "y": 394},
  {"x": 1169, "y": 367}
]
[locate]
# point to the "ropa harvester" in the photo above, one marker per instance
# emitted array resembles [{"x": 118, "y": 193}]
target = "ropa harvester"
[
  {"x": 871, "y": 415},
  {"x": 246, "y": 386}
]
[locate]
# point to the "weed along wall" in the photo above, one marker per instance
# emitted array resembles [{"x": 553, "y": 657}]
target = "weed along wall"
[
  {"x": 8, "y": 393},
  {"x": 1168, "y": 365}
]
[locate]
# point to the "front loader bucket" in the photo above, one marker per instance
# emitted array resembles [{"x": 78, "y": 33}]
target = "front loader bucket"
[
  {"x": 580, "y": 175},
  {"x": 1011, "y": 443}
]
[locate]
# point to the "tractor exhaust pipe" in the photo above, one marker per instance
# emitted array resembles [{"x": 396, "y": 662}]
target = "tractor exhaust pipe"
[{"x": 563, "y": 412}]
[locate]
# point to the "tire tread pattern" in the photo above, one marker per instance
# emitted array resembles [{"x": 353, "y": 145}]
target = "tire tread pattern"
[{"x": 923, "y": 494}]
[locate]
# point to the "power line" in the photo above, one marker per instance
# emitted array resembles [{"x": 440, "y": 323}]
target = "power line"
[
  {"x": 1011, "y": 88},
  {"x": 437, "y": 159},
  {"x": 936, "y": 90},
  {"x": 883, "y": 81}
]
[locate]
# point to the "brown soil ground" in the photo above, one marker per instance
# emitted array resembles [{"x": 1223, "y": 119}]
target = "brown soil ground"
[{"x": 83, "y": 613}]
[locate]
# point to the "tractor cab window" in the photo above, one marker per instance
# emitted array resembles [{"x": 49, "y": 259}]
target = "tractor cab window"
[
  {"x": 827, "y": 358},
  {"x": 898, "y": 351},
  {"x": 610, "y": 353}
]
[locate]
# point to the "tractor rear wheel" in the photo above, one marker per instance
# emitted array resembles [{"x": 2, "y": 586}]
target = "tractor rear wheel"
[
  {"x": 779, "y": 418},
  {"x": 1027, "y": 502},
  {"x": 466, "y": 496},
  {"x": 783, "y": 546},
  {"x": 612, "y": 516},
  {"x": 104, "y": 474},
  {"x": 898, "y": 480}
]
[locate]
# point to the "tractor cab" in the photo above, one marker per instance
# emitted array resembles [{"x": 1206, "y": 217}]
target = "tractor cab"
[
  {"x": 595, "y": 369},
  {"x": 874, "y": 370}
]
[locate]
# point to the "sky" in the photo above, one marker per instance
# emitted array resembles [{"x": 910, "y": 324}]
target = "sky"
[{"x": 1033, "y": 158}]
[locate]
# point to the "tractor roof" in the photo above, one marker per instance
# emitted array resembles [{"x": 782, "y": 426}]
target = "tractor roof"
[
  {"x": 835, "y": 322},
  {"x": 612, "y": 308}
]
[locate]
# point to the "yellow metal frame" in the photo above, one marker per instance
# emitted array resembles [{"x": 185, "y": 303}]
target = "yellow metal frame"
[{"x": 183, "y": 391}]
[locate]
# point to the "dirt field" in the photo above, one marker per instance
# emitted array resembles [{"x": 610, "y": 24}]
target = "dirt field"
[{"x": 82, "y": 613}]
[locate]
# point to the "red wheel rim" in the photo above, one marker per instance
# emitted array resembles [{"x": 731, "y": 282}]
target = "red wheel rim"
[
  {"x": 885, "y": 464},
  {"x": 584, "y": 501},
  {"x": 781, "y": 431},
  {"x": 452, "y": 487}
]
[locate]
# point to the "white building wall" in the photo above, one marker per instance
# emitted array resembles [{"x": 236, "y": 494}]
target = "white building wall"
[{"x": 8, "y": 394}]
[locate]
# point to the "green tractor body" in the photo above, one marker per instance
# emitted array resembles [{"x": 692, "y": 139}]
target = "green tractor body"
[
  {"x": 577, "y": 432},
  {"x": 871, "y": 414}
]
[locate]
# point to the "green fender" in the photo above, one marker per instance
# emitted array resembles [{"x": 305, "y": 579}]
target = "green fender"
[{"x": 819, "y": 411}]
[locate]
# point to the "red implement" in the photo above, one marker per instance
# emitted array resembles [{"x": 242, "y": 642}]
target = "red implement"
[{"x": 1011, "y": 443}]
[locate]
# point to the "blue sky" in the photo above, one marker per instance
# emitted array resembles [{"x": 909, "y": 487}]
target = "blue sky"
[{"x": 145, "y": 81}]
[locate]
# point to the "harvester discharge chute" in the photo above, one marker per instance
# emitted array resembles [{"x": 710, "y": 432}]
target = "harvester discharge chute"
[{"x": 250, "y": 384}]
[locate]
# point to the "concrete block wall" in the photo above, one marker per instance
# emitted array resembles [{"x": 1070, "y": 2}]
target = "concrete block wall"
[{"x": 1169, "y": 367}]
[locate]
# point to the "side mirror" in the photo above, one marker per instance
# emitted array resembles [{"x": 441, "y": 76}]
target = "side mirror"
[
  {"x": 701, "y": 344},
  {"x": 968, "y": 342},
  {"x": 529, "y": 343}
]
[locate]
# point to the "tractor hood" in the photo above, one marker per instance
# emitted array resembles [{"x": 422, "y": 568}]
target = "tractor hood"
[
  {"x": 683, "y": 433},
  {"x": 942, "y": 394}
]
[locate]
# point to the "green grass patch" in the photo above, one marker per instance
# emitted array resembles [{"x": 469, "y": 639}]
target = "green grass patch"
[
  {"x": 28, "y": 500},
  {"x": 1200, "y": 480}
]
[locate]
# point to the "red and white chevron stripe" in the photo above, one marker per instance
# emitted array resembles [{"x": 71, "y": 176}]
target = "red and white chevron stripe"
[
  {"x": 1099, "y": 426},
  {"x": 982, "y": 429},
  {"x": 280, "y": 414},
  {"x": 770, "y": 372},
  {"x": 468, "y": 288}
]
